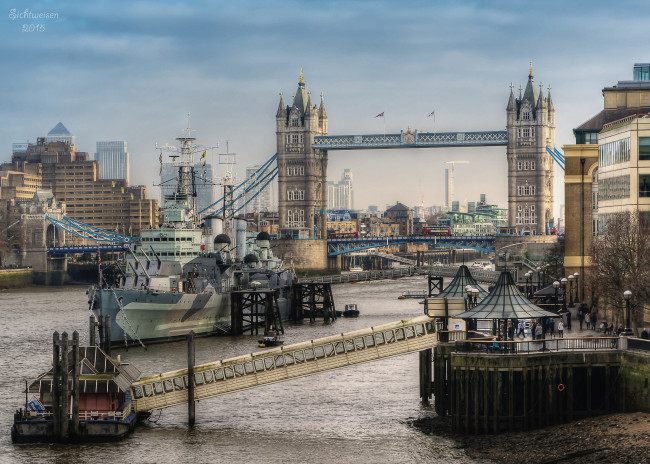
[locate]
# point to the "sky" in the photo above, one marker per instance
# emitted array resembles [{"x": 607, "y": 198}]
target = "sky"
[{"x": 133, "y": 70}]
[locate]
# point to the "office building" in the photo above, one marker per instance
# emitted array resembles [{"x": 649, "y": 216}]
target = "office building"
[
  {"x": 113, "y": 159},
  {"x": 262, "y": 198},
  {"x": 340, "y": 195},
  {"x": 60, "y": 133}
]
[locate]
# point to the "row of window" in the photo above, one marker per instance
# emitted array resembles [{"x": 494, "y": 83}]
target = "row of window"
[
  {"x": 526, "y": 131},
  {"x": 166, "y": 239},
  {"x": 614, "y": 152},
  {"x": 525, "y": 165},
  {"x": 284, "y": 359},
  {"x": 526, "y": 190},
  {"x": 296, "y": 171},
  {"x": 295, "y": 138},
  {"x": 295, "y": 195},
  {"x": 614, "y": 188}
]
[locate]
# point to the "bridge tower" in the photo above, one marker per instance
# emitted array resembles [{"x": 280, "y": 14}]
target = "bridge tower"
[
  {"x": 302, "y": 170},
  {"x": 531, "y": 128}
]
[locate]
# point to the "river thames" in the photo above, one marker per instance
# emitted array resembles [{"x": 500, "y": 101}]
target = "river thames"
[{"x": 359, "y": 414}]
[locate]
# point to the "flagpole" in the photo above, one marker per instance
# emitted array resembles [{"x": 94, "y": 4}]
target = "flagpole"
[{"x": 384, "y": 118}]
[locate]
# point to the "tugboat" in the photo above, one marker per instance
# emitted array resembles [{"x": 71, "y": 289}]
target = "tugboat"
[
  {"x": 351, "y": 310},
  {"x": 271, "y": 338}
]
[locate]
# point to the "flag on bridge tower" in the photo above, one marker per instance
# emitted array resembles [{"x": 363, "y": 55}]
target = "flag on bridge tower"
[
  {"x": 380, "y": 115},
  {"x": 433, "y": 113}
]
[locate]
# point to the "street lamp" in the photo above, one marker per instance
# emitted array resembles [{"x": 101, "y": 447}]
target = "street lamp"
[
  {"x": 556, "y": 285},
  {"x": 475, "y": 295},
  {"x": 563, "y": 282},
  {"x": 539, "y": 278},
  {"x": 527, "y": 277},
  {"x": 576, "y": 275},
  {"x": 628, "y": 330},
  {"x": 571, "y": 279}
]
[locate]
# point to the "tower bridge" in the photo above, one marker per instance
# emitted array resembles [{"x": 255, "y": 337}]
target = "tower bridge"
[{"x": 303, "y": 144}]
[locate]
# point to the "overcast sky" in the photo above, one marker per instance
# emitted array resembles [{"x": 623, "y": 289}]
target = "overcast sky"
[{"x": 133, "y": 70}]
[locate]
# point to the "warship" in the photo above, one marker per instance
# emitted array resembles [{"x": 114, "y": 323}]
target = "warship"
[{"x": 179, "y": 277}]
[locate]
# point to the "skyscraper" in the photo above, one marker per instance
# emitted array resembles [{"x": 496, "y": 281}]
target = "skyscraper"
[
  {"x": 262, "y": 202},
  {"x": 60, "y": 133},
  {"x": 113, "y": 160},
  {"x": 340, "y": 195}
]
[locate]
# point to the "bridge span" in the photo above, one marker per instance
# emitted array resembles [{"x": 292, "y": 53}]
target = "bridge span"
[{"x": 285, "y": 363}]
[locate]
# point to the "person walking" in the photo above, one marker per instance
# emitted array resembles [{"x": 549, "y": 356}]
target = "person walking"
[
  {"x": 533, "y": 329},
  {"x": 538, "y": 332},
  {"x": 521, "y": 330},
  {"x": 587, "y": 321},
  {"x": 568, "y": 320},
  {"x": 581, "y": 317},
  {"x": 560, "y": 329},
  {"x": 594, "y": 319}
]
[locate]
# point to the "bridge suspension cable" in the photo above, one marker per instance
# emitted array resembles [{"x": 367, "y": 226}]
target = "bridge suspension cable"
[{"x": 89, "y": 232}]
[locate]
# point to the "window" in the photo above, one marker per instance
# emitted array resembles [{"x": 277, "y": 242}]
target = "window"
[
  {"x": 294, "y": 138},
  {"x": 526, "y": 132},
  {"x": 526, "y": 165},
  {"x": 526, "y": 115},
  {"x": 294, "y": 122},
  {"x": 615, "y": 152},
  {"x": 519, "y": 165},
  {"x": 644, "y": 148},
  {"x": 532, "y": 165},
  {"x": 644, "y": 185}
]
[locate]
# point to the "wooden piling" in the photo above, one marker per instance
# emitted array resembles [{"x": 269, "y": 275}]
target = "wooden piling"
[
  {"x": 75, "y": 384},
  {"x": 426, "y": 365},
  {"x": 63, "y": 407},
  {"x": 56, "y": 386},
  {"x": 191, "y": 407},
  {"x": 236, "y": 314},
  {"x": 92, "y": 327},
  {"x": 100, "y": 331},
  {"x": 107, "y": 335}
]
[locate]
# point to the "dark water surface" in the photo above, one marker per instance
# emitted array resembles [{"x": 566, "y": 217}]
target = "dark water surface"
[{"x": 359, "y": 414}]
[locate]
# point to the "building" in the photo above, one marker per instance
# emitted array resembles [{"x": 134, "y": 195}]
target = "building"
[
  {"x": 74, "y": 180},
  {"x": 113, "y": 159},
  {"x": 531, "y": 128},
  {"x": 262, "y": 200},
  {"x": 608, "y": 168},
  {"x": 480, "y": 218},
  {"x": 204, "y": 183},
  {"x": 403, "y": 216},
  {"x": 302, "y": 170},
  {"x": 449, "y": 188},
  {"x": 340, "y": 195},
  {"x": 341, "y": 222},
  {"x": 60, "y": 133}
]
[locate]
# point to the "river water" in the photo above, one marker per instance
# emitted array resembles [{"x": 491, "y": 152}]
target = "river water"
[{"x": 359, "y": 414}]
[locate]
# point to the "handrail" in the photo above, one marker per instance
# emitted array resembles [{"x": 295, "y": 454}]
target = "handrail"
[{"x": 528, "y": 346}]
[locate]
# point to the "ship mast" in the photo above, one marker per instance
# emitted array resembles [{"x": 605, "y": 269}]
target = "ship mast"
[{"x": 186, "y": 184}]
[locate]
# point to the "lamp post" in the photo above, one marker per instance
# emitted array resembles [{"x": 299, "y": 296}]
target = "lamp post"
[
  {"x": 527, "y": 277},
  {"x": 628, "y": 329},
  {"x": 563, "y": 282},
  {"x": 577, "y": 275},
  {"x": 571, "y": 279},
  {"x": 475, "y": 295},
  {"x": 539, "y": 278},
  {"x": 556, "y": 285}
]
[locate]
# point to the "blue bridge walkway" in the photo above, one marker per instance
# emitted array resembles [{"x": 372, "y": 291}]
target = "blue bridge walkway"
[{"x": 339, "y": 246}]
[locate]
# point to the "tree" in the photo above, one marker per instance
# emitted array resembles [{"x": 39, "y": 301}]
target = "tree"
[
  {"x": 554, "y": 257},
  {"x": 621, "y": 261}
]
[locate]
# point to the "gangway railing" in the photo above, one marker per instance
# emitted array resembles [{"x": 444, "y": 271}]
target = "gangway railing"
[{"x": 285, "y": 363}]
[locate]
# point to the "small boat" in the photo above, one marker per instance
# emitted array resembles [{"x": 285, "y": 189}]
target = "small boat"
[
  {"x": 351, "y": 310},
  {"x": 271, "y": 338},
  {"x": 414, "y": 294}
]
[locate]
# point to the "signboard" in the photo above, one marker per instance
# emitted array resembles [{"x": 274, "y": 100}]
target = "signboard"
[
  {"x": 457, "y": 326},
  {"x": 19, "y": 147},
  {"x": 435, "y": 307}
]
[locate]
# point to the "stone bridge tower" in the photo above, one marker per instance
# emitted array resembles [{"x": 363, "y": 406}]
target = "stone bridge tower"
[
  {"x": 531, "y": 128},
  {"x": 302, "y": 171}
]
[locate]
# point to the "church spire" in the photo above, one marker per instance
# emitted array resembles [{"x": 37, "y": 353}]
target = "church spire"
[{"x": 550, "y": 102}]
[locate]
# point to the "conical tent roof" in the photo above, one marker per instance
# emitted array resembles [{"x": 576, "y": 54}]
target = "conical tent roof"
[
  {"x": 456, "y": 289},
  {"x": 505, "y": 301}
]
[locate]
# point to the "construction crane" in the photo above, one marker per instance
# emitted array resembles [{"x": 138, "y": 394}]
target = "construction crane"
[{"x": 449, "y": 184}]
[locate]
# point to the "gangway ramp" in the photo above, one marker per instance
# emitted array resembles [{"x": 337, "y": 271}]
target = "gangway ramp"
[{"x": 285, "y": 363}]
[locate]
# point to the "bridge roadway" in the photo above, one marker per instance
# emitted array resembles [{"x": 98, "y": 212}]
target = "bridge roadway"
[
  {"x": 285, "y": 363},
  {"x": 339, "y": 246}
]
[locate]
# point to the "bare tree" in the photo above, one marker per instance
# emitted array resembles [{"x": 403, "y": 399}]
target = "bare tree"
[{"x": 621, "y": 261}]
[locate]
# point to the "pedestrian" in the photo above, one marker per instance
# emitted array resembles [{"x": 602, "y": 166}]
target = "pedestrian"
[
  {"x": 587, "y": 321},
  {"x": 551, "y": 325},
  {"x": 560, "y": 329},
  {"x": 538, "y": 332},
  {"x": 644, "y": 334},
  {"x": 521, "y": 330},
  {"x": 581, "y": 317},
  {"x": 511, "y": 331},
  {"x": 533, "y": 329},
  {"x": 594, "y": 319},
  {"x": 619, "y": 331},
  {"x": 568, "y": 320}
]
